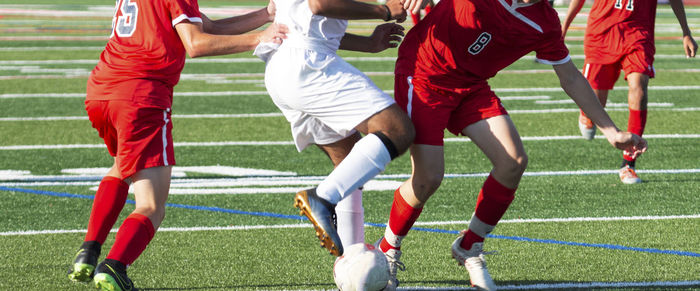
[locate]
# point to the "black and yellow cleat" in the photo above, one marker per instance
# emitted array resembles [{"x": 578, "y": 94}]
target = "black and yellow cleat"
[
  {"x": 321, "y": 213},
  {"x": 110, "y": 275},
  {"x": 84, "y": 263}
]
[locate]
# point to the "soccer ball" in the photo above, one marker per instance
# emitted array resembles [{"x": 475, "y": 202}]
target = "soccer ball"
[{"x": 361, "y": 267}]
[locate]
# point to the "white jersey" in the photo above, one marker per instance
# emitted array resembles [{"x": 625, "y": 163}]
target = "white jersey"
[
  {"x": 322, "y": 96},
  {"x": 308, "y": 28}
]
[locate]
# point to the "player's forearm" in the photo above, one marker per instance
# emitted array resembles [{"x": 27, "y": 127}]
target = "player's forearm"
[
  {"x": 239, "y": 24},
  {"x": 679, "y": 11},
  {"x": 347, "y": 9},
  {"x": 215, "y": 45},
  {"x": 358, "y": 43},
  {"x": 574, "y": 8}
]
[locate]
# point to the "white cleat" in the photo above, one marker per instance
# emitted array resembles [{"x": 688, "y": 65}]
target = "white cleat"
[
  {"x": 586, "y": 126},
  {"x": 392, "y": 256},
  {"x": 629, "y": 176},
  {"x": 473, "y": 261}
]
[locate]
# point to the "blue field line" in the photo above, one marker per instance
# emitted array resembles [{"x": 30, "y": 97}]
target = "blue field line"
[{"x": 381, "y": 225}]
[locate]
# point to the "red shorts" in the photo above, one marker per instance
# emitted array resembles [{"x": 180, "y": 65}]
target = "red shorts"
[
  {"x": 138, "y": 137},
  {"x": 433, "y": 109},
  {"x": 604, "y": 76}
]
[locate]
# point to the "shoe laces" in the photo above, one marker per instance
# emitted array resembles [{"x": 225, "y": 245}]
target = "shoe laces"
[{"x": 394, "y": 263}]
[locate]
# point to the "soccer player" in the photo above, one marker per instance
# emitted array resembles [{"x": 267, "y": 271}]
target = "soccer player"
[
  {"x": 442, "y": 74},
  {"x": 328, "y": 102},
  {"x": 129, "y": 98},
  {"x": 620, "y": 36}
]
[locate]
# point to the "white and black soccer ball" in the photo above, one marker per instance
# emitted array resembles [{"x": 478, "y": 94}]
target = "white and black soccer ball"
[{"x": 361, "y": 267}]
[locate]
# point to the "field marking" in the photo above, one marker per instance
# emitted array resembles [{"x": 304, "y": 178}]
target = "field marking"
[
  {"x": 306, "y": 225},
  {"x": 567, "y": 286},
  {"x": 224, "y": 60},
  {"x": 263, "y": 92},
  {"x": 224, "y": 78},
  {"x": 614, "y": 107},
  {"x": 380, "y": 225},
  {"x": 275, "y": 143}
]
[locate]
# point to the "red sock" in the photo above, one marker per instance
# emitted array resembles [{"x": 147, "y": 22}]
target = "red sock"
[
  {"x": 635, "y": 124},
  {"x": 492, "y": 203},
  {"x": 108, "y": 203},
  {"x": 401, "y": 219},
  {"x": 132, "y": 238}
]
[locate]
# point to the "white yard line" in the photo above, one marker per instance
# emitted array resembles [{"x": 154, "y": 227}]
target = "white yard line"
[
  {"x": 306, "y": 225},
  {"x": 660, "y": 106},
  {"x": 221, "y": 60},
  {"x": 263, "y": 92},
  {"x": 275, "y": 143}
]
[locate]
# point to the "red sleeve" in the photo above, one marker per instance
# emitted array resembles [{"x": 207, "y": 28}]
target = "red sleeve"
[
  {"x": 181, "y": 10},
  {"x": 553, "y": 51}
]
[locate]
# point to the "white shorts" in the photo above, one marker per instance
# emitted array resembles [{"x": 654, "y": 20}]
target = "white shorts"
[{"x": 322, "y": 96}]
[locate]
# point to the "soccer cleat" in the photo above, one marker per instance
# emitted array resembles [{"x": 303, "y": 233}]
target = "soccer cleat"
[
  {"x": 321, "y": 213},
  {"x": 473, "y": 261},
  {"x": 84, "y": 263},
  {"x": 629, "y": 176},
  {"x": 392, "y": 257},
  {"x": 586, "y": 126},
  {"x": 110, "y": 275}
]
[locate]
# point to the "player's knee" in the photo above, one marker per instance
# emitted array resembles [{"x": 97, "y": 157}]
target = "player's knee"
[
  {"x": 425, "y": 185},
  {"x": 515, "y": 167}
]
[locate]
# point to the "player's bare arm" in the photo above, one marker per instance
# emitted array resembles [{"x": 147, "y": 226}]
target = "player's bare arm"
[
  {"x": 199, "y": 43},
  {"x": 689, "y": 44},
  {"x": 387, "y": 35},
  {"x": 578, "y": 88},
  {"x": 574, "y": 8},
  {"x": 351, "y": 9},
  {"x": 241, "y": 23}
]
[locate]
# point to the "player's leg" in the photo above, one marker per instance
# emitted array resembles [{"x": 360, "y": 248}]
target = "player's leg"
[
  {"x": 146, "y": 156},
  {"x": 151, "y": 187},
  {"x": 107, "y": 204},
  {"x": 500, "y": 142},
  {"x": 388, "y": 134},
  {"x": 638, "y": 67},
  {"x": 428, "y": 170},
  {"x": 602, "y": 78},
  {"x": 417, "y": 98},
  {"x": 349, "y": 211},
  {"x": 637, "y": 102}
]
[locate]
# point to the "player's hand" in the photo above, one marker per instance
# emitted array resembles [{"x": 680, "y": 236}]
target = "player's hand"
[
  {"x": 632, "y": 144},
  {"x": 690, "y": 46},
  {"x": 396, "y": 7},
  {"x": 414, "y": 6},
  {"x": 387, "y": 35},
  {"x": 274, "y": 33},
  {"x": 271, "y": 10}
]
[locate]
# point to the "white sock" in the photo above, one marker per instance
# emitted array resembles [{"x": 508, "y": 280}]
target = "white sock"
[
  {"x": 351, "y": 219},
  {"x": 479, "y": 227},
  {"x": 367, "y": 158}
]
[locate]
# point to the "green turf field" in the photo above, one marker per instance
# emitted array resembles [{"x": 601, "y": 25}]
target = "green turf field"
[{"x": 230, "y": 223}]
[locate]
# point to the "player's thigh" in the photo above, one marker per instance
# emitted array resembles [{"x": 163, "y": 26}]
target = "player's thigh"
[
  {"x": 338, "y": 150},
  {"x": 498, "y": 139},
  {"x": 428, "y": 163}
]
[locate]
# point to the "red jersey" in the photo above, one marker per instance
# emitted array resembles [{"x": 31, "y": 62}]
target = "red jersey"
[
  {"x": 144, "y": 56},
  {"x": 618, "y": 27},
  {"x": 464, "y": 42}
]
